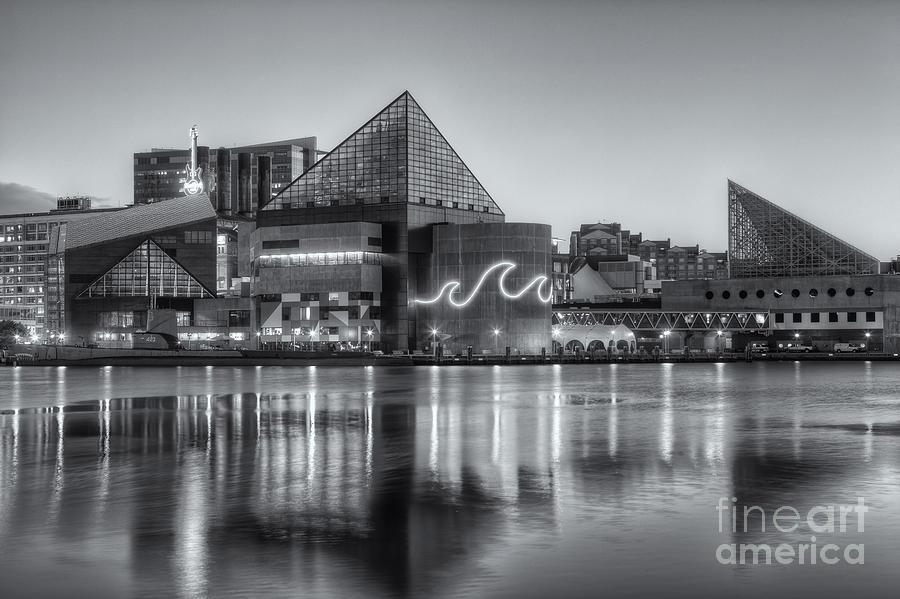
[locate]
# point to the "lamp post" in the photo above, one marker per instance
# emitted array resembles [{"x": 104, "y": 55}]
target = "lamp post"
[
  {"x": 496, "y": 337},
  {"x": 666, "y": 340},
  {"x": 369, "y": 342},
  {"x": 868, "y": 335},
  {"x": 718, "y": 342},
  {"x": 434, "y": 333}
]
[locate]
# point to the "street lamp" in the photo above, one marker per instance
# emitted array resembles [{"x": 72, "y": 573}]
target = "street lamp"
[
  {"x": 369, "y": 334},
  {"x": 62, "y": 338},
  {"x": 666, "y": 340},
  {"x": 496, "y": 335},
  {"x": 868, "y": 335},
  {"x": 434, "y": 333}
]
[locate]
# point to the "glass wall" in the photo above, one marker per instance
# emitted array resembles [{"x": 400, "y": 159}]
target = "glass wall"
[
  {"x": 398, "y": 156},
  {"x": 146, "y": 271}
]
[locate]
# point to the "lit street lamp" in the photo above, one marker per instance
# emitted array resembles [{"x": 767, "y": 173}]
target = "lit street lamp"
[
  {"x": 369, "y": 334},
  {"x": 868, "y": 335},
  {"x": 496, "y": 336}
]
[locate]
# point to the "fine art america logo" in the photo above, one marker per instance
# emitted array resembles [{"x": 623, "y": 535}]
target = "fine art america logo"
[{"x": 825, "y": 525}]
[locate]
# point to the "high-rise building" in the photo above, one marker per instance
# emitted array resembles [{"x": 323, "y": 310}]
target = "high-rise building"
[
  {"x": 238, "y": 180},
  {"x": 23, "y": 254},
  {"x": 765, "y": 240}
]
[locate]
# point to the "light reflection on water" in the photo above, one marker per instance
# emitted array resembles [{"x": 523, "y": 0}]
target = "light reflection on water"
[{"x": 516, "y": 481}]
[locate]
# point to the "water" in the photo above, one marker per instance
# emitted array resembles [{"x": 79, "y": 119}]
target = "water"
[{"x": 539, "y": 481}]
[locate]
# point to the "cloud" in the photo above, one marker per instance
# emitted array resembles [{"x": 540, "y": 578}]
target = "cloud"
[{"x": 16, "y": 198}]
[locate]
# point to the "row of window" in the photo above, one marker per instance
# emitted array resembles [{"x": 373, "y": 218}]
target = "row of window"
[
  {"x": 795, "y": 293},
  {"x": 303, "y": 331},
  {"x": 797, "y": 317},
  {"x": 318, "y": 259},
  {"x": 353, "y": 312}
]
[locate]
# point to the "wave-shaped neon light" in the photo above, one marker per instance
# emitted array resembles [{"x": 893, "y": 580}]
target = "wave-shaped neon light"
[{"x": 452, "y": 287}]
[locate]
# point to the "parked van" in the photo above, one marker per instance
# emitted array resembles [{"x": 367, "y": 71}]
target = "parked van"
[
  {"x": 848, "y": 347},
  {"x": 759, "y": 348}
]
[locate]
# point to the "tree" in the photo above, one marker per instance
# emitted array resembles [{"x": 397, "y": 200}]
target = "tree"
[{"x": 8, "y": 331}]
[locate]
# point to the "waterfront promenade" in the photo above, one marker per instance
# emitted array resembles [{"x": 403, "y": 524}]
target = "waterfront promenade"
[{"x": 54, "y": 355}]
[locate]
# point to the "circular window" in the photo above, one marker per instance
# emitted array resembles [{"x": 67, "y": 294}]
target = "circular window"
[
  {"x": 851, "y": 291},
  {"x": 742, "y": 294},
  {"x": 778, "y": 293},
  {"x": 710, "y": 295},
  {"x": 831, "y": 292},
  {"x": 760, "y": 293},
  {"x": 870, "y": 291},
  {"x": 795, "y": 293},
  {"x": 813, "y": 292},
  {"x": 726, "y": 294}
]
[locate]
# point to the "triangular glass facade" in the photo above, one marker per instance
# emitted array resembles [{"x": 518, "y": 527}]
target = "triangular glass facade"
[
  {"x": 767, "y": 241},
  {"x": 398, "y": 156},
  {"x": 146, "y": 272}
]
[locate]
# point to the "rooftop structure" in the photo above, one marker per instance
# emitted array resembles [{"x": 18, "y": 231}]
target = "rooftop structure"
[{"x": 765, "y": 240}]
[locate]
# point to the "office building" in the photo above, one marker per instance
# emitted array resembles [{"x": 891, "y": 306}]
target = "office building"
[
  {"x": 23, "y": 252},
  {"x": 237, "y": 179}
]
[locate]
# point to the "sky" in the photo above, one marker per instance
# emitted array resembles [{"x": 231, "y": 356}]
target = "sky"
[{"x": 568, "y": 112}]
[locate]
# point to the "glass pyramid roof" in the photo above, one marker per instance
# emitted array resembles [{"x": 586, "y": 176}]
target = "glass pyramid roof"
[
  {"x": 146, "y": 272},
  {"x": 765, "y": 240},
  {"x": 397, "y": 156}
]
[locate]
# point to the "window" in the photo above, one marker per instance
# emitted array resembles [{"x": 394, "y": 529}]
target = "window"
[
  {"x": 726, "y": 294},
  {"x": 869, "y": 291},
  {"x": 760, "y": 293},
  {"x": 795, "y": 293},
  {"x": 832, "y": 317},
  {"x": 851, "y": 316},
  {"x": 183, "y": 319},
  {"x": 870, "y": 317},
  {"x": 285, "y": 313},
  {"x": 374, "y": 241},
  {"x": 779, "y": 317},
  {"x": 778, "y": 293},
  {"x": 198, "y": 237},
  {"x": 710, "y": 295},
  {"x": 850, "y": 291},
  {"x": 831, "y": 292},
  {"x": 309, "y": 297},
  {"x": 798, "y": 317},
  {"x": 239, "y": 318},
  {"x": 814, "y": 317},
  {"x": 274, "y": 244},
  {"x": 742, "y": 294},
  {"x": 813, "y": 292}
]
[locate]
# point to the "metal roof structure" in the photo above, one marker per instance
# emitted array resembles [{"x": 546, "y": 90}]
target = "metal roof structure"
[
  {"x": 136, "y": 220},
  {"x": 765, "y": 240}
]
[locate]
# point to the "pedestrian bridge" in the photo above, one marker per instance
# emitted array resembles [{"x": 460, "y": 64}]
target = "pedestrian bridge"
[{"x": 624, "y": 329}]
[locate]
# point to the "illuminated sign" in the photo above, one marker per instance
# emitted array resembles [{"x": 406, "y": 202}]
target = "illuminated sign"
[
  {"x": 452, "y": 287},
  {"x": 194, "y": 184}
]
